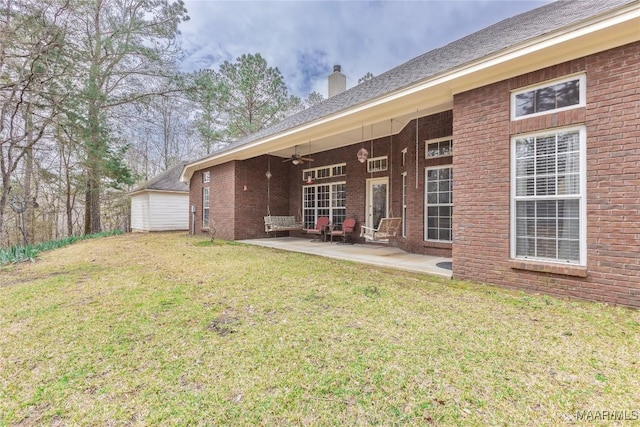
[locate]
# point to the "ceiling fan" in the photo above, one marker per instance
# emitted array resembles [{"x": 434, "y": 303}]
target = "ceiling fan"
[{"x": 297, "y": 159}]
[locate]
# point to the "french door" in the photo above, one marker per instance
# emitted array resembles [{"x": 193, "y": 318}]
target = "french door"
[{"x": 377, "y": 201}]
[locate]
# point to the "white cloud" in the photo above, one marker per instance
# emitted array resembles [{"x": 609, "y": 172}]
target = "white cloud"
[{"x": 305, "y": 39}]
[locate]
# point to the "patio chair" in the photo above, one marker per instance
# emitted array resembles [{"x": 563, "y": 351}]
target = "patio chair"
[
  {"x": 319, "y": 230},
  {"x": 346, "y": 230}
]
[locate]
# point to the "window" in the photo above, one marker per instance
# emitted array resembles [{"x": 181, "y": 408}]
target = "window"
[
  {"x": 339, "y": 169},
  {"x": 323, "y": 173},
  {"x": 548, "y": 203},
  {"x": 324, "y": 200},
  {"x": 550, "y": 97},
  {"x": 206, "y": 176},
  {"x": 439, "y": 203},
  {"x": 439, "y": 147},
  {"x": 404, "y": 204},
  {"x": 403, "y": 159},
  {"x": 377, "y": 164},
  {"x": 205, "y": 207}
]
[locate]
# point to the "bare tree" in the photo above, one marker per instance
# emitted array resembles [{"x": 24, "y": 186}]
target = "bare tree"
[
  {"x": 31, "y": 63},
  {"x": 118, "y": 45}
]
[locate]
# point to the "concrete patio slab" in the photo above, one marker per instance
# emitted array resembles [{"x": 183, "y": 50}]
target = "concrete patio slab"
[{"x": 374, "y": 254}]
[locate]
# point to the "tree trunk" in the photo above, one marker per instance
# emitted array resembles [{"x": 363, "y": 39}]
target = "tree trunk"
[
  {"x": 6, "y": 188},
  {"x": 27, "y": 222}
]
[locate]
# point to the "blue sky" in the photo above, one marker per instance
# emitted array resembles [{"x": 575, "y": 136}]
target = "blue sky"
[{"x": 304, "y": 39}]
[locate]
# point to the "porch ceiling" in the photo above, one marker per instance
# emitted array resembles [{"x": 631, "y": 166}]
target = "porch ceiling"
[
  {"x": 344, "y": 137},
  {"x": 390, "y": 113}
]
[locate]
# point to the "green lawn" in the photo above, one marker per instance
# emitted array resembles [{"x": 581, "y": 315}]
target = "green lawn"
[{"x": 164, "y": 329}]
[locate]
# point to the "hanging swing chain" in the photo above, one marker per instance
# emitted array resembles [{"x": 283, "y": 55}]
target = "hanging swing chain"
[
  {"x": 269, "y": 185},
  {"x": 391, "y": 171},
  {"x": 417, "y": 118}
]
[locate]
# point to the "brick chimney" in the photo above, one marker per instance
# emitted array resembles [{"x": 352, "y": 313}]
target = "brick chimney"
[{"x": 337, "y": 81}]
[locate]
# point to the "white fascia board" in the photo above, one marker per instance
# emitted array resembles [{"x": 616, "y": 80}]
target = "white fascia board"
[
  {"x": 445, "y": 81},
  {"x": 147, "y": 190}
]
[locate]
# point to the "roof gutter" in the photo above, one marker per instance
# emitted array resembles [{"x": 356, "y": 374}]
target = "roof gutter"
[
  {"x": 453, "y": 81},
  {"x": 151, "y": 190}
]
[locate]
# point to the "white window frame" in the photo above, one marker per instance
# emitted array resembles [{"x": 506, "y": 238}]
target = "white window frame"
[
  {"x": 404, "y": 204},
  {"x": 581, "y": 196},
  {"x": 206, "y": 206},
  {"x": 330, "y": 171},
  {"x": 403, "y": 158},
  {"x": 582, "y": 93},
  {"x": 438, "y": 141},
  {"x": 427, "y": 204},
  {"x": 206, "y": 176},
  {"x": 377, "y": 164},
  {"x": 332, "y": 208}
]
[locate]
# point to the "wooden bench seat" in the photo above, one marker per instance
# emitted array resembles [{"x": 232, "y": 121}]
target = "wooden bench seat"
[
  {"x": 388, "y": 227},
  {"x": 277, "y": 223}
]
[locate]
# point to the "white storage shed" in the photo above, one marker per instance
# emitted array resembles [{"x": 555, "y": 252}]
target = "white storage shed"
[{"x": 161, "y": 204}]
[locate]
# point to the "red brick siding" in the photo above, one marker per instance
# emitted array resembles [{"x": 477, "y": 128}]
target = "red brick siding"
[
  {"x": 431, "y": 127},
  {"x": 435, "y": 126},
  {"x": 482, "y": 132},
  {"x": 355, "y": 178},
  {"x": 228, "y": 183},
  {"x": 222, "y": 213},
  {"x": 195, "y": 198},
  {"x": 255, "y": 196}
]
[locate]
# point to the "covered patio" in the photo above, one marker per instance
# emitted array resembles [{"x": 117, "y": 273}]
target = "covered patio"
[{"x": 374, "y": 254}]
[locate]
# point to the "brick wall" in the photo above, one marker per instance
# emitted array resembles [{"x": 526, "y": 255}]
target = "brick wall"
[
  {"x": 195, "y": 199},
  {"x": 482, "y": 133},
  {"x": 255, "y": 196},
  {"x": 430, "y": 127},
  {"x": 222, "y": 180},
  {"x": 240, "y": 196},
  {"x": 243, "y": 185}
]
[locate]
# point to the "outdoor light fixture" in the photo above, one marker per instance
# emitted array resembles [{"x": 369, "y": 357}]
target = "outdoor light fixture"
[
  {"x": 362, "y": 155},
  {"x": 268, "y": 174}
]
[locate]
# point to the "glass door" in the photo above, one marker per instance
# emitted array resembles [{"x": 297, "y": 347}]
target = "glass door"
[{"x": 377, "y": 201}]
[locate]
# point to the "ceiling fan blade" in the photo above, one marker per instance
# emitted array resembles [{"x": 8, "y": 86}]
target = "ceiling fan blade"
[
  {"x": 308, "y": 159},
  {"x": 286, "y": 160}
]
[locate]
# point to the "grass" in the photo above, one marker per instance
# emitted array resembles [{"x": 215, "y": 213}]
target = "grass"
[
  {"x": 20, "y": 253},
  {"x": 165, "y": 329}
]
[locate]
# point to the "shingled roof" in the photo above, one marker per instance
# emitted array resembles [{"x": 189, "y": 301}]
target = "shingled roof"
[
  {"x": 168, "y": 180},
  {"x": 491, "y": 40}
]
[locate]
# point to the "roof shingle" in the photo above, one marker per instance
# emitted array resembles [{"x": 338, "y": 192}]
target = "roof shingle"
[
  {"x": 168, "y": 180},
  {"x": 493, "y": 39}
]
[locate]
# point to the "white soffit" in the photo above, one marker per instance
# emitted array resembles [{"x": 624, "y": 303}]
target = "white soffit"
[{"x": 436, "y": 94}]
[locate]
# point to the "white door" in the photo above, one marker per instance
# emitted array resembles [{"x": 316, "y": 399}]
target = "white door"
[{"x": 377, "y": 201}]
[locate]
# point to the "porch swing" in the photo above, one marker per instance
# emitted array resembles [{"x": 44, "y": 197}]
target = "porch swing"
[
  {"x": 275, "y": 223},
  {"x": 389, "y": 226}
]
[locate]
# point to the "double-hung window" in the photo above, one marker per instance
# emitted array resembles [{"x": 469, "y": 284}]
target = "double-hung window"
[
  {"x": 439, "y": 203},
  {"x": 404, "y": 204},
  {"x": 205, "y": 207},
  {"x": 548, "y": 196}
]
